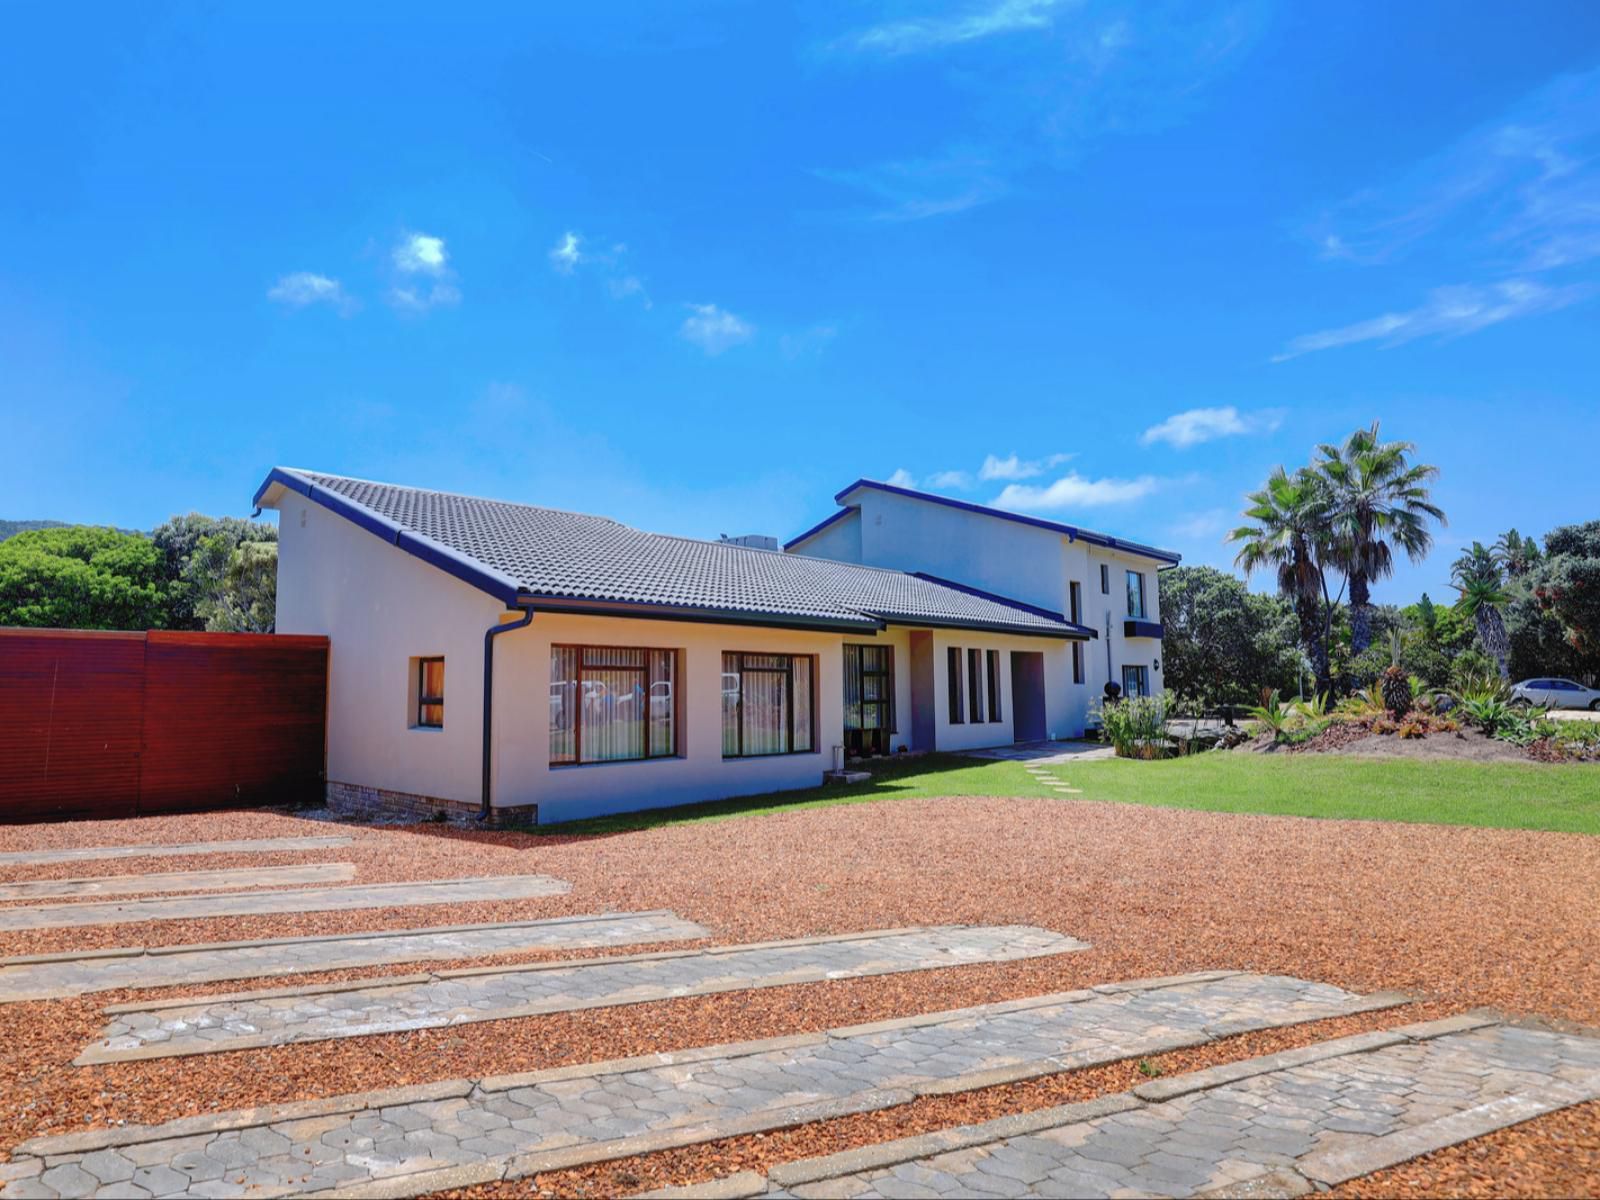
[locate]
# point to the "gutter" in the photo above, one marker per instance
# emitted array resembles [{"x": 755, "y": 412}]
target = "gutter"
[{"x": 489, "y": 635}]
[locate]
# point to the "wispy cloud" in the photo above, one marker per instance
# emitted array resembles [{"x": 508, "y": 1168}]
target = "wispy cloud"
[
  {"x": 421, "y": 254},
  {"x": 567, "y": 253},
  {"x": 902, "y": 478},
  {"x": 304, "y": 288},
  {"x": 1202, "y": 525},
  {"x": 1015, "y": 467},
  {"x": 715, "y": 329},
  {"x": 419, "y": 258},
  {"x": 916, "y": 189},
  {"x": 1448, "y": 312},
  {"x": 1076, "y": 491},
  {"x": 1197, "y": 425},
  {"x": 958, "y": 481},
  {"x": 974, "y": 23}
]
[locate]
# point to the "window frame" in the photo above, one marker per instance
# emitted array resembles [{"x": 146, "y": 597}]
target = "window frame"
[
  {"x": 975, "y": 686},
  {"x": 1143, "y": 676},
  {"x": 1077, "y": 662},
  {"x": 953, "y": 686},
  {"x": 789, "y": 708},
  {"x": 1144, "y": 600},
  {"x": 991, "y": 659},
  {"x": 888, "y": 714},
  {"x": 1105, "y": 579},
  {"x": 650, "y": 755},
  {"x": 424, "y": 700}
]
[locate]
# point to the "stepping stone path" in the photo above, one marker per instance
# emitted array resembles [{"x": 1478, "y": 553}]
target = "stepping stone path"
[
  {"x": 362, "y": 1008},
  {"x": 177, "y": 881},
  {"x": 1283, "y": 1125},
  {"x": 17, "y": 858},
  {"x": 44, "y": 977},
  {"x": 461, "y": 1132},
  {"x": 234, "y": 904},
  {"x": 1046, "y": 777}
]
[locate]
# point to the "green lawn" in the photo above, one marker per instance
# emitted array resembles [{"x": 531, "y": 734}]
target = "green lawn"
[{"x": 1501, "y": 795}]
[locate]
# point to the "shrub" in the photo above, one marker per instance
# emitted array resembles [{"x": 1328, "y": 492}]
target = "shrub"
[
  {"x": 1271, "y": 712},
  {"x": 1411, "y": 729},
  {"x": 1137, "y": 728}
]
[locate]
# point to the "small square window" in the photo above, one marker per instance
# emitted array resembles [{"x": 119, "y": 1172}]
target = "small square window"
[{"x": 430, "y": 693}]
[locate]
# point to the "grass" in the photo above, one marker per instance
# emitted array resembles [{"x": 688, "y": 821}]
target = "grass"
[{"x": 1493, "y": 795}]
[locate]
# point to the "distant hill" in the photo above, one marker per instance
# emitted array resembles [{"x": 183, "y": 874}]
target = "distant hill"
[{"x": 7, "y": 528}]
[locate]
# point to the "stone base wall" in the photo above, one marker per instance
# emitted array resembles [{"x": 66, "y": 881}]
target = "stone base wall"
[{"x": 378, "y": 804}]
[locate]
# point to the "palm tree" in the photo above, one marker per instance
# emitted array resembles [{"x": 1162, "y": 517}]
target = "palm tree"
[
  {"x": 1479, "y": 579},
  {"x": 1518, "y": 554},
  {"x": 1288, "y": 534},
  {"x": 1380, "y": 503}
]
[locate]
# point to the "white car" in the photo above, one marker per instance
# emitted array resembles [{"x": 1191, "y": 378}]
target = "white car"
[{"x": 1556, "y": 693}]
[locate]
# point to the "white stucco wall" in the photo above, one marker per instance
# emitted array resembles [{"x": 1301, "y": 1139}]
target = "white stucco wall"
[
  {"x": 380, "y": 607},
  {"x": 840, "y": 541}
]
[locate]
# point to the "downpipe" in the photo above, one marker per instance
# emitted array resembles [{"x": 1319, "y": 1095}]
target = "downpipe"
[{"x": 489, "y": 635}]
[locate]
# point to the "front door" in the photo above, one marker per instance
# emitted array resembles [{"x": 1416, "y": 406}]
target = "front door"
[
  {"x": 1027, "y": 696},
  {"x": 869, "y": 719}
]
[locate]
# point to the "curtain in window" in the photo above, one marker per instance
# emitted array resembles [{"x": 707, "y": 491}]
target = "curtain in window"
[
  {"x": 430, "y": 687},
  {"x": 563, "y": 704},
  {"x": 802, "y": 703},
  {"x": 663, "y": 702},
  {"x": 766, "y": 704},
  {"x": 612, "y": 704}
]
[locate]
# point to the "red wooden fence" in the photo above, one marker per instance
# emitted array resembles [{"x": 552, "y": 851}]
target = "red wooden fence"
[{"x": 116, "y": 724}]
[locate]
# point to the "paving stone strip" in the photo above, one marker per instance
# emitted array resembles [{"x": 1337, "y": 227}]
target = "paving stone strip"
[
  {"x": 1286, "y": 1124},
  {"x": 17, "y": 858},
  {"x": 409, "y": 1141},
  {"x": 177, "y": 881},
  {"x": 51, "y": 976},
  {"x": 360, "y": 1008},
  {"x": 233, "y": 904}
]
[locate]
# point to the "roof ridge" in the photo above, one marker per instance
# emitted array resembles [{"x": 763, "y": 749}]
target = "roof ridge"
[{"x": 411, "y": 487}]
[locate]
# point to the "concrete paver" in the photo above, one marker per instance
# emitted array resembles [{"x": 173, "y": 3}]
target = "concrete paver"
[
  {"x": 51, "y": 976},
  {"x": 363, "y": 1008},
  {"x": 231, "y": 904},
  {"x": 178, "y": 881},
  {"x": 519, "y": 1125},
  {"x": 279, "y": 845}
]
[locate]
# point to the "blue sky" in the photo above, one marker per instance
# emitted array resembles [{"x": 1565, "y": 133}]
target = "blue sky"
[{"x": 699, "y": 265}]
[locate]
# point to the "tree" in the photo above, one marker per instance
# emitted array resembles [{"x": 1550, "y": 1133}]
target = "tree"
[
  {"x": 1565, "y": 586},
  {"x": 1477, "y": 575},
  {"x": 1289, "y": 536},
  {"x": 1221, "y": 644},
  {"x": 1518, "y": 554},
  {"x": 234, "y": 588},
  {"x": 179, "y": 540},
  {"x": 1378, "y": 502},
  {"x": 82, "y": 577}
]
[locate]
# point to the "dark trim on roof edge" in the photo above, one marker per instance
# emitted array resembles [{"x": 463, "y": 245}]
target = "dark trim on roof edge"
[
  {"x": 820, "y": 526},
  {"x": 642, "y": 611},
  {"x": 1067, "y": 633},
  {"x": 1072, "y": 531},
  {"x": 1048, "y": 614},
  {"x": 501, "y": 587}
]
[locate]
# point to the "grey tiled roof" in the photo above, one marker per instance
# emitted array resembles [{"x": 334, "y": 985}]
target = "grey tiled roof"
[{"x": 521, "y": 551}]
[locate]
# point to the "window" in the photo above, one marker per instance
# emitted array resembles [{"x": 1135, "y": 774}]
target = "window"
[
  {"x": 869, "y": 687},
  {"x": 975, "y": 685},
  {"x": 1077, "y": 662},
  {"x": 612, "y": 704},
  {"x": 953, "y": 671},
  {"x": 1105, "y": 580},
  {"x": 1135, "y": 681},
  {"x": 1075, "y": 591},
  {"x": 1136, "y": 595},
  {"x": 430, "y": 693},
  {"x": 994, "y": 685},
  {"x": 766, "y": 704}
]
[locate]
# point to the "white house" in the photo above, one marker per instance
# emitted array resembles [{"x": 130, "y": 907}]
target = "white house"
[{"x": 526, "y": 663}]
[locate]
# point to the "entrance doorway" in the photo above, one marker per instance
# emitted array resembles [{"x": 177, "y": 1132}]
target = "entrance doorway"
[{"x": 1027, "y": 696}]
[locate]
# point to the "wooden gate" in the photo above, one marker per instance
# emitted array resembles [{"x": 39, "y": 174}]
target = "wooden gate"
[{"x": 115, "y": 724}]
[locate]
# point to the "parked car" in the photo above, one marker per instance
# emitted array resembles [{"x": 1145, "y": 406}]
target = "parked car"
[{"x": 1555, "y": 693}]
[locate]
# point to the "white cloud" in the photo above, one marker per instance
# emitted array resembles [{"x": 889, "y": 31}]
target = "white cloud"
[
  {"x": 902, "y": 478},
  {"x": 1448, "y": 312},
  {"x": 420, "y": 254},
  {"x": 1198, "y": 425},
  {"x": 1015, "y": 467},
  {"x": 986, "y": 20},
  {"x": 410, "y": 299},
  {"x": 958, "y": 480},
  {"x": 715, "y": 329},
  {"x": 916, "y": 189},
  {"x": 303, "y": 288},
  {"x": 567, "y": 253},
  {"x": 1074, "y": 491}
]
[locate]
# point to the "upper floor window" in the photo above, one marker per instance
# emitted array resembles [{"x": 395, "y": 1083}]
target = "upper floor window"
[
  {"x": 1136, "y": 595},
  {"x": 767, "y": 704},
  {"x": 612, "y": 704},
  {"x": 430, "y": 693},
  {"x": 1075, "y": 592},
  {"x": 953, "y": 682},
  {"x": 1105, "y": 580}
]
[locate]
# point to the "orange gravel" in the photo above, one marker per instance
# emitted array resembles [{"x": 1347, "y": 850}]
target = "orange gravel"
[{"x": 1462, "y": 917}]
